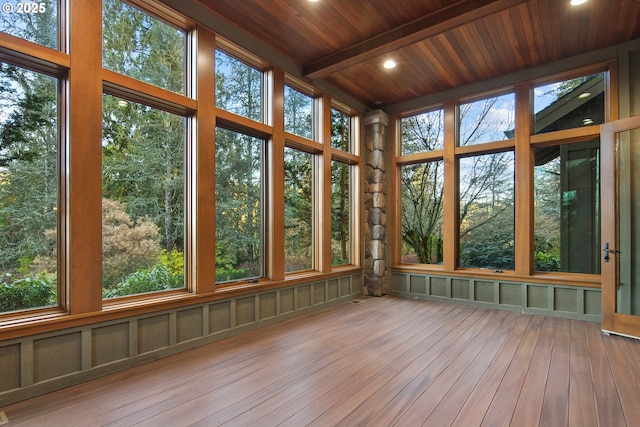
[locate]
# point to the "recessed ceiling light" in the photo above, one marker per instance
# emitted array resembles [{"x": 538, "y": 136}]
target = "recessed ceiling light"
[
  {"x": 389, "y": 64},
  {"x": 577, "y": 2},
  {"x": 584, "y": 95}
]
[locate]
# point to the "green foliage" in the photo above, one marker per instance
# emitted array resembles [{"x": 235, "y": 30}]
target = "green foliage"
[
  {"x": 340, "y": 213},
  {"x": 238, "y": 87},
  {"x": 239, "y": 209},
  {"x": 172, "y": 260},
  {"x": 298, "y": 112},
  {"x": 143, "y": 147},
  {"x": 340, "y": 130},
  {"x": 143, "y": 162},
  {"x": 547, "y": 261},
  {"x": 27, "y": 292},
  {"x": 158, "y": 278},
  {"x": 41, "y": 27},
  {"x": 28, "y": 164},
  {"x": 547, "y": 256},
  {"x": 495, "y": 252},
  {"x": 143, "y": 47},
  {"x": 226, "y": 263},
  {"x": 298, "y": 216},
  {"x": 229, "y": 274}
]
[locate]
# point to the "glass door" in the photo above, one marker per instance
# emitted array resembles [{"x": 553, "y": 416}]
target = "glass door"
[{"x": 621, "y": 226}]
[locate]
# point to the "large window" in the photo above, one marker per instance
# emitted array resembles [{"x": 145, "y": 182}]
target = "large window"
[
  {"x": 457, "y": 180},
  {"x": 298, "y": 113},
  {"x": 422, "y": 210},
  {"x": 298, "y": 210},
  {"x": 341, "y": 213},
  {"x": 239, "y": 87},
  {"x": 340, "y": 130},
  {"x": 569, "y": 104},
  {"x": 567, "y": 208},
  {"x": 143, "y": 155},
  {"x": 143, "y": 198},
  {"x": 117, "y": 166},
  {"x": 240, "y": 195},
  {"x": 29, "y": 150},
  {"x": 35, "y": 21},
  {"x": 486, "y": 212},
  {"x": 140, "y": 46},
  {"x": 487, "y": 120},
  {"x": 422, "y": 188}
]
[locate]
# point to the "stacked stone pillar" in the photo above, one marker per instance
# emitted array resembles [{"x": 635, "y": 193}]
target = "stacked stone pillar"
[{"x": 375, "y": 203}]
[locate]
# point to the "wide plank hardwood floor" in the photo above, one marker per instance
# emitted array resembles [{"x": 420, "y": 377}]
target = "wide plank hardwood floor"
[{"x": 381, "y": 362}]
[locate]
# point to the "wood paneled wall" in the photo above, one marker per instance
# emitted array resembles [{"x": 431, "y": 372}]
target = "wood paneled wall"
[
  {"x": 572, "y": 302},
  {"x": 42, "y": 363}
]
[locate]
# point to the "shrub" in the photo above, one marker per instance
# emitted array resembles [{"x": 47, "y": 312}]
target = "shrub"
[
  {"x": 159, "y": 278},
  {"x": 496, "y": 252},
  {"x": 28, "y": 292},
  {"x": 173, "y": 260},
  {"x": 547, "y": 261},
  {"x": 226, "y": 270},
  {"x": 228, "y": 274}
]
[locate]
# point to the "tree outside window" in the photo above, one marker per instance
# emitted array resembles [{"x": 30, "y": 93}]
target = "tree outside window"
[
  {"x": 422, "y": 189},
  {"x": 422, "y": 212},
  {"x": 33, "y": 21},
  {"x": 29, "y": 150},
  {"x": 486, "y": 187},
  {"x": 340, "y": 213},
  {"x": 238, "y": 87},
  {"x": 143, "y": 198},
  {"x": 486, "y": 216},
  {"x": 298, "y": 210},
  {"x": 340, "y": 130},
  {"x": 422, "y": 132},
  {"x": 142, "y": 47},
  {"x": 486, "y": 120},
  {"x": 239, "y": 206},
  {"x": 298, "y": 113}
]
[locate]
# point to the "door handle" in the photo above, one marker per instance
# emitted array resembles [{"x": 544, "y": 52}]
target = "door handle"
[{"x": 608, "y": 251}]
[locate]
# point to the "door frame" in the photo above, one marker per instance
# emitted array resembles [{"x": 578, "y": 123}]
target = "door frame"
[{"x": 613, "y": 322}]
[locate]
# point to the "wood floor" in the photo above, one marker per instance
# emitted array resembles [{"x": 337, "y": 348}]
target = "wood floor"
[{"x": 380, "y": 362}]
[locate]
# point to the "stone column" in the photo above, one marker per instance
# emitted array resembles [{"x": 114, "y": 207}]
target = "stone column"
[{"x": 375, "y": 203}]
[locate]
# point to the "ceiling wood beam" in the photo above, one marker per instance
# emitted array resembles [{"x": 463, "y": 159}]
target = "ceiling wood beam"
[{"x": 455, "y": 15}]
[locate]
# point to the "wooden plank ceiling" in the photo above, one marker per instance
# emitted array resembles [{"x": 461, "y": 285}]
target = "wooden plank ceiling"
[{"x": 437, "y": 44}]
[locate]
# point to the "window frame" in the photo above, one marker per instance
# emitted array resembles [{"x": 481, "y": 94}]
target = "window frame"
[
  {"x": 314, "y": 222},
  {"x": 186, "y": 190},
  {"x": 354, "y": 161},
  {"x": 80, "y": 113},
  {"x": 265, "y": 212},
  {"x": 559, "y": 143},
  {"x": 523, "y": 143},
  {"x": 245, "y": 58},
  {"x": 59, "y": 74}
]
